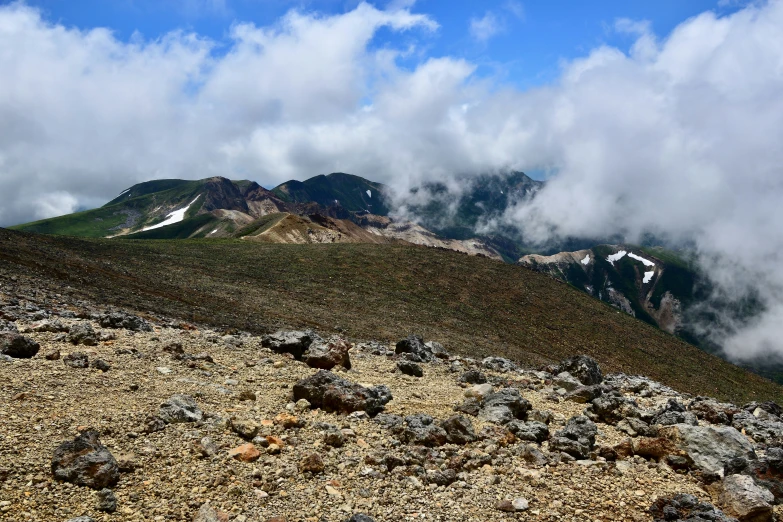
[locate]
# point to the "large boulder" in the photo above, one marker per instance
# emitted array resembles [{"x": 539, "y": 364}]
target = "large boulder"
[
  {"x": 686, "y": 508},
  {"x": 740, "y": 497},
  {"x": 328, "y": 391},
  {"x": 289, "y": 341},
  {"x": 180, "y": 408},
  {"x": 325, "y": 355},
  {"x": 577, "y": 438},
  {"x": 84, "y": 461},
  {"x": 710, "y": 448},
  {"x": 124, "y": 320},
  {"x": 585, "y": 369},
  {"x": 415, "y": 348},
  {"x": 17, "y": 346}
]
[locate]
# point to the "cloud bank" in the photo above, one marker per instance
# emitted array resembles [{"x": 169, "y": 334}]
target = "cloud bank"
[{"x": 679, "y": 137}]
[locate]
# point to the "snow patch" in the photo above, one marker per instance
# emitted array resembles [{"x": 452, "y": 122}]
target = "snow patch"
[
  {"x": 369, "y": 192},
  {"x": 647, "y": 276},
  {"x": 646, "y": 262},
  {"x": 616, "y": 257},
  {"x": 123, "y": 192},
  {"x": 586, "y": 260},
  {"x": 214, "y": 231},
  {"x": 174, "y": 217}
]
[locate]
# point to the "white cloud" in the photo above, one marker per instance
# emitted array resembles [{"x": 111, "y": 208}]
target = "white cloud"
[
  {"x": 484, "y": 28},
  {"x": 679, "y": 137}
]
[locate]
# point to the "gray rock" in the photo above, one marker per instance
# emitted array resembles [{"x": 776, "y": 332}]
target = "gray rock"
[
  {"x": 473, "y": 377},
  {"x": 107, "y": 501},
  {"x": 414, "y": 345},
  {"x": 713, "y": 411},
  {"x": 441, "y": 477},
  {"x": 635, "y": 427},
  {"x": 686, "y": 508},
  {"x": 470, "y": 406},
  {"x": 503, "y": 406},
  {"x": 82, "y": 333},
  {"x": 82, "y": 519},
  {"x": 530, "y": 431},
  {"x": 611, "y": 409},
  {"x": 100, "y": 364},
  {"x": 437, "y": 350},
  {"x": 334, "y": 437},
  {"x": 566, "y": 381},
  {"x": 328, "y": 391},
  {"x": 288, "y": 341},
  {"x": 76, "y": 360},
  {"x": 388, "y": 420},
  {"x": 17, "y": 346},
  {"x": 767, "y": 430},
  {"x": 8, "y": 326},
  {"x": 84, "y": 461},
  {"x": 585, "y": 369},
  {"x": 459, "y": 430},
  {"x": 421, "y": 429},
  {"x": 710, "y": 448},
  {"x": 180, "y": 408},
  {"x": 124, "y": 320},
  {"x": 499, "y": 364},
  {"x": 584, "y": 394},
  {"x": 360, "y": 517},
  {"x": 740, "y": 497},
  {"x": 577, "y": 438},
  {"x": 410, "y": 368},
  {"x": 669, "y": 418}
]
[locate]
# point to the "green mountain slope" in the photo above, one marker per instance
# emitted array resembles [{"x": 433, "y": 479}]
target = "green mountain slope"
[
  {"x": 473, "y": 305},
  {"x": 353, "y": 193}
]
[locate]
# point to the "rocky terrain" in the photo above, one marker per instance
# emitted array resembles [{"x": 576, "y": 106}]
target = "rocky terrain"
[{"x": 108, "y": 414}]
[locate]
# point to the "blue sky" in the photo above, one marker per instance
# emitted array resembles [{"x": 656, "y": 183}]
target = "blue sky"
[{"x": 522, "y": 43}]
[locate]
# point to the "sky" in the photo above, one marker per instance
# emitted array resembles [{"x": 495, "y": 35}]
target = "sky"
[{"x": 661, "y": 118}]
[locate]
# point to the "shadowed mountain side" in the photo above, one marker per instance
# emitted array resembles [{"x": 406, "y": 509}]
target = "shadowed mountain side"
[{"x": 473, "y": 305}]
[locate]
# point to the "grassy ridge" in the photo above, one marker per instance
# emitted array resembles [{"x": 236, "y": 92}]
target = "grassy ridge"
[{"x": 474, "y": 306}]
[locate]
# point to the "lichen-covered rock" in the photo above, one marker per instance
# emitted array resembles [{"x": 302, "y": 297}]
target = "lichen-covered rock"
[
  {"x": 328, "y": 391},
  {"x": 17, "y": 346},
  {"x": 84, "y": 461}
]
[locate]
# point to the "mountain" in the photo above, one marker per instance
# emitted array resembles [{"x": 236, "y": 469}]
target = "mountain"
[
  {"x": 352, "y": 193},
  {"x": 312, "y": 211}
]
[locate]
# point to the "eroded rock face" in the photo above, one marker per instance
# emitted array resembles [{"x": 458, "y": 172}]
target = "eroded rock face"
[
  {"x": 325, "y": 355},
  {"x": 180, "y": 408},
  {"x": 84, "y": 461},
  {"x": 710, "y": 448},
  {"x": 17, "y": 346},
  {"x": 290, "y": 341},
  {"x": 577, "y": 438},
  {"x": 686, "y": 508},
  {"x": 740, "y": 497},
  {"x": 328, "y": 391}
]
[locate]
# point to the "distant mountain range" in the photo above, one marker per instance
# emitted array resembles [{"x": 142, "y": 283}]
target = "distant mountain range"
[{"x": 654, "y": 284}]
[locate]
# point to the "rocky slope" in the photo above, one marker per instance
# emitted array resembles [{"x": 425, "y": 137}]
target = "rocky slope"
[{"x": 117, "y": 416}]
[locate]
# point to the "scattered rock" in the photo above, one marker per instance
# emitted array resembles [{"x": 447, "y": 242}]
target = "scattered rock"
[
  {"x": 247, "y": 429},
  {"x": 82, "y": 333},
  {"x": 503, "y": 406},
  {"x": 180, "y": 408},
  {"x": 410, "y": 368},
  {"x": 459, "y": 430},
  {"x": 288, "y": 341},
  {"x": 414, "y": 345},
  {"x": 686, "y": 508},
  {"x": 499, "y": 364},
  {"x": 531, "y": 431},
  {"x": 421, "y": 429},
  {"x": 473, "y": 377},
  {"x": 332, "y": 393},
  {"x": 76, "y": 360},
  {"x": 577, "y": 438},
  {"x": 85, "y": 462},
  {"x": 360, "y": 517},
  {"x": 245, "y": 453},
  {"x": 437, "y": 350},
  {"x": 585, "y": 369},
  {"x": 17, "y": 346},
  {"x": 326, "y": 355},
  {"x": 124, "y": 320},
  {"x": 207, "y": 513},
  {"x": 513, "y": 506},
  {"x": 107, "y": 502},
  {"x": 100, "y": 364},
  {"x": 312, "y": 463},
  {"x": 710, "y": 448}
]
